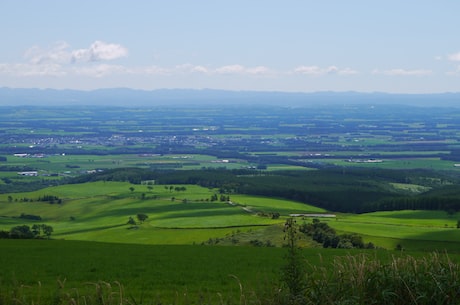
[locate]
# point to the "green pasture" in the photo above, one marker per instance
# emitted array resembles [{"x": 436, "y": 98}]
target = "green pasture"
[
  {"x": 267, "y": 205},
  {"x": 99, "y": 211},
  {"x": 415, "y": 230}
]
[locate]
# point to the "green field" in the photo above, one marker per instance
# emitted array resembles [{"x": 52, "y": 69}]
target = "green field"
[
  {"x": 174, "y": 274},
  {"x": 99, "y": 211},
  {"x": 162, "y": 273}
]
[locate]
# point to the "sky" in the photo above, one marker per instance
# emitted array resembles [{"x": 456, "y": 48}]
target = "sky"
[{"x": 395, "y": 46}]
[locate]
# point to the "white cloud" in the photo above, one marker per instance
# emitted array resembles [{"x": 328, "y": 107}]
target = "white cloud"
[
  {"x": 347, "y": 71},
  {"x": 403, "y": 72},
  {"x": 98, "y": 51},
  {"x": 242, "y": 70},
  {"x": 231, "y": 69},
  {"x": 259, "y": 70},
  {"x": 454, "y": 57},
  {"x": 58, "y": 53},
  {"x": 315, "y": 70},
  {"x": 61, "y": 53},
  {"x": 188, "y": 68}
]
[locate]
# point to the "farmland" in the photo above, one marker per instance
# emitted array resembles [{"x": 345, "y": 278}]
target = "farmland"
[
  {"x": 99, "y": 211},
  {"x": 341, "y": 159},
  {"x": 171, "y": 189}
]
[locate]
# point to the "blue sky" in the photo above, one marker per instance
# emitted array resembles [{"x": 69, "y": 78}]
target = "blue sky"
[{"x": 410, "y": 46}]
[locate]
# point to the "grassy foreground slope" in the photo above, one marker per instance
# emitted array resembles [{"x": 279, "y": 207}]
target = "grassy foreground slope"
[
  {"x": 148, "y": 272},
  {"x": 76, "y": 272}
]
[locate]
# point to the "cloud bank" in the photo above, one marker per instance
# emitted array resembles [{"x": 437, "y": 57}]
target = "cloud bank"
[
  {"x": 61, "y": 53},
  {"x": 98, "y": 60}
]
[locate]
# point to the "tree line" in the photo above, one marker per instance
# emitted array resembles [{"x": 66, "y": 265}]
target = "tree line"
[
  {"x": 37, "y": 231},
  {"x": 322, "y": 233}
]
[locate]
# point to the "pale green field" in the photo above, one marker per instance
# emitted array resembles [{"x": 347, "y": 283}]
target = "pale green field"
[
  {"x": 417, "y": 229},
  {"x": 100, "y": 211},
  {"x": 282, "y": 206}
]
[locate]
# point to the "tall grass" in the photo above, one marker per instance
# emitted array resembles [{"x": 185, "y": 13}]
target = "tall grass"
[{"x": 364, "y": 279}]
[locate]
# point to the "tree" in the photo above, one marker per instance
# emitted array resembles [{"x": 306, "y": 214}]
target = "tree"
[
  {"x": 294, "y": 272},
  {"x": 458, "y": 224},
  {"x": 10, "y": 198},
  {"x": 131, "y": 189},
  {"x": 36, "y": 230},
  {"x": 47, "y": 230},
  {"x": 142, "y": 217},
  {"x": 131, "y": 221},
  {"x": 21, "y": 232}
]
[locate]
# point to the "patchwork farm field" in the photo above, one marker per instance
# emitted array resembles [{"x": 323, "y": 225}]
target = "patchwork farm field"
[{"x": 100, "y": 211}]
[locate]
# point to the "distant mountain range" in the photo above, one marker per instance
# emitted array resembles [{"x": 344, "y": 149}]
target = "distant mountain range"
[{"x": 129, "y": 97}]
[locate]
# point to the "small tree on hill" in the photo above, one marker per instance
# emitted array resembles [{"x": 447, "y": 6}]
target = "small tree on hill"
[
  {"x": 47, "y": 230},
  {"x": 142, "y": 217},
  {"x": 131, "y": 221},
  {"x": 294, "y": 271}
]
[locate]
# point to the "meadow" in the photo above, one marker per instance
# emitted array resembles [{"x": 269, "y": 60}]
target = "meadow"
[{"x": 100, "y": 211}]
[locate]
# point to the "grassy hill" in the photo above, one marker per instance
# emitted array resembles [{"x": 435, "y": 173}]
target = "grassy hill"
[
  {"x": 100, "y": 211},
  {"x": 190, "y": 214}
]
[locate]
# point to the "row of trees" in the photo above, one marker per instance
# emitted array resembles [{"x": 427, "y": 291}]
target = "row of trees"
[
  {"x": 46, "y": 198},
  {"x": 322, "y": 233},
  {"x": 141, "y": 217},
  {"x": 27, "y": 232}
]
